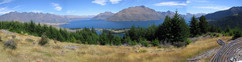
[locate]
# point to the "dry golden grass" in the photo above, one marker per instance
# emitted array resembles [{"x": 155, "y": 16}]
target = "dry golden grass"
[{"x": 27, "y": 52}]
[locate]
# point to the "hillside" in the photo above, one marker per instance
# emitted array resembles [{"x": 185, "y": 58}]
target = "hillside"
[
  {"x": 232, "y": 21},
  {"x": 39, "y": 17},
  {"x": 71, "y": 52},
  {"x": 220, "y": 14},
  {"x": 103, "y": 16},
  {"x": 138, "y": 13}
]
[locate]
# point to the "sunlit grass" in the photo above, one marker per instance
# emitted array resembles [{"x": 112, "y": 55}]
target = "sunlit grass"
[{"x": 28, "y": 52}]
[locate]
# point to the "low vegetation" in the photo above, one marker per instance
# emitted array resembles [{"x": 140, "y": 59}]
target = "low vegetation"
[
  {"x": 11, "y": 44},
  {"x": 44, "y": 40},
  {"x": 72, "y": 52}
]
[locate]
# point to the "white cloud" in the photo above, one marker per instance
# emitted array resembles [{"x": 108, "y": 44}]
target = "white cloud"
[
  {"x": 214, "y": 7},
  {"x": 188, "y": 1},
  {"x": 57, "y": 6},
  {"x": 5, "y": 1},
  {"x": 114, "y": 1},
  {"x": 199, "y": 1},
  {"x": 101, "y": 2},
  {"x": 171, "y": 4},
  {"x": 5, "y": 10}
]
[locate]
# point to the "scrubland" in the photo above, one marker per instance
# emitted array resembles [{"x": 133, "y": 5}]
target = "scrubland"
[{"x": 28, "y": 50}]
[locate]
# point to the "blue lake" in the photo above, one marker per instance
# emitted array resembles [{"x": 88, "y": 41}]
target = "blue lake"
[{"x": 102, "y": 24}]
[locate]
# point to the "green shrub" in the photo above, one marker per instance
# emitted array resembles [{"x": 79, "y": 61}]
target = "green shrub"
[
  {"x": 10, "y": 44},
  {"x": 145, "y": 43},
  {"x": 189, "y": 41},
  {"x": 44, "y": 40},
  {"x": 49, "y": 55},
  {"x": 237, "y": 35},
  {"x": 132, "y": 43},
  {"x": 0, "y": 38},
  {"x": 217, "y": 35},
  {"x": 142, "y": 51},
  {"x": 156, "y": 43}
]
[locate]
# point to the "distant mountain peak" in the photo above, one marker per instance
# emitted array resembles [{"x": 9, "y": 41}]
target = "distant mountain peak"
[
  {"x": 137, "y": 13},
  {"x": 103, "y": 16},
  {"x": 142, "y": 6}
]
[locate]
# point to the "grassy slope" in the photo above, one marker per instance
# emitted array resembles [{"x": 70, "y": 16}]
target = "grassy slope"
[{"x": 26, "y": 51}]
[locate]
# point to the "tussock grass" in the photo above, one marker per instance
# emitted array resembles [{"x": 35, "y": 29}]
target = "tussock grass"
[{"x": 28, "y": 52}]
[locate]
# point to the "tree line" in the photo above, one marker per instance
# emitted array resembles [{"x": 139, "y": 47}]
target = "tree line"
[{"x": 173, "y": 31}]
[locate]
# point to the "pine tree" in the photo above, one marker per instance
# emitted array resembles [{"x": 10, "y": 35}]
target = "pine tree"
[
  {"x": 116, "y": 40},
  {"x": 73, "y": 39},
  {"x": 237, "y": 32},
  {"x": 180, "y": 30},
  {"x": 110, "y": 37},
  {"x": 32, "y": 27},
  {"x": 133, "y": 33},
  {"x": 213, "y": 28},
  {"x": 150, "y": 34},
  {"x": 194, "y": 27},
  {"x": 203, "y": 25},
  {"x": 127, "y": 39},
  {"x": 227, "y": 29},
  {"x": 103, "y": 39},
  {"x": 164, "y": 30}
]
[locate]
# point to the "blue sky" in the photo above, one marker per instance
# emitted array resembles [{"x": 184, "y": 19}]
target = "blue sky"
[{"x": 93, "y": 7}]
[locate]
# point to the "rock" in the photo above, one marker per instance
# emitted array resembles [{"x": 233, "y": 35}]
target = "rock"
[
  {"x": 71, "y": 47},
  {"x": 220, "y": 42}
]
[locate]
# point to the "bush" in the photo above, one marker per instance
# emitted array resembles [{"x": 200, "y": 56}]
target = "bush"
[
  {"x": 145, "y": 43},
  {"x": 0, "y": 38},
  {"x": 237, "y": 35},
  {"x": 142, "y": 51},
  {"x": 10, "y": 44},
  {"x": 44, "y": 40},
  {"x": 189, "y": 41},
  {"x": 217, "y": 35},
  {"x": 132, "y": 43},
  {"x": 179, "y": 44},
  {"x": 156, "y": 43}
]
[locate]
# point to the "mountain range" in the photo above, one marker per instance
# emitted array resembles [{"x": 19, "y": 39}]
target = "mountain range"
[
  {"x": 40, "y": 17},
  {"x": 220, "y": 14},
  {"x": 103, "y": 16},
  {"x": 140, "y": 13},
  {"x": 232, "y": 21}
]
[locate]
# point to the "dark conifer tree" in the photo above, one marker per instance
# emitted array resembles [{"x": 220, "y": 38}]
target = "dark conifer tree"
[
  {"x": 203, "y": 25},
  {"x": 194, "y": 27}
]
